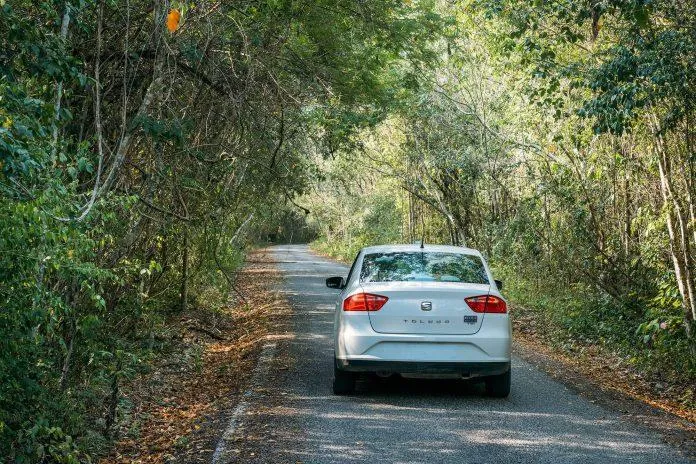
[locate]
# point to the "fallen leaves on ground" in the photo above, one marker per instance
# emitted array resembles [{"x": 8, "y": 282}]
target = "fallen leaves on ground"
[
  {"x": 178, "y": 408},
  {"x": 602, "y": 366}
]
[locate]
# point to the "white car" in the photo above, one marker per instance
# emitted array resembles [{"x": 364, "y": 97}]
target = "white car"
[{"x": 423, "y": 311}]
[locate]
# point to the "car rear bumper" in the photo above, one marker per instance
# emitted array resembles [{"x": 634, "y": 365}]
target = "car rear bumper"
[
  {"x": 358, "y": 347},
  {"x": 465, "y": 369}
]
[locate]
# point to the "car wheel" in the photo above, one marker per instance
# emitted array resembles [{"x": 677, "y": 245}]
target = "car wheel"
[
  {"x": 343, "y": 382},
  {"x": 498, "y": 386}
]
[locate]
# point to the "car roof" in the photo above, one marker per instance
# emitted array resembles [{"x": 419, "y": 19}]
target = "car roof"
[{"x": 417, "y": 248}]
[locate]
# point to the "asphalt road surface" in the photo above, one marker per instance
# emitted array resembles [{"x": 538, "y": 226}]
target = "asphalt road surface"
[{"x": 293, "y": 417}]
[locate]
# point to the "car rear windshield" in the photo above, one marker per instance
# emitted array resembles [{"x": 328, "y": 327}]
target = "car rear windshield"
[{"x": 421, "y": 266}]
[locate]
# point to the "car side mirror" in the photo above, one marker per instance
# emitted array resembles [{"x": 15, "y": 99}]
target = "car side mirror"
[
  {"x": 499, "y": 284},
  {"x": 336, "y": 282}
]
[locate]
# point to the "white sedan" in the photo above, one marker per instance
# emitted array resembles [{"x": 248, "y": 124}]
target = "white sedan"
[{"x": 421, "y": 311}]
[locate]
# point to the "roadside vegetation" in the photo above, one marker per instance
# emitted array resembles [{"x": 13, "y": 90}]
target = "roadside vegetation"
[
  {"x": 146, "y": 145},
  {"x": 558, "y": 138},
  {"x": 176, "y": 410}
]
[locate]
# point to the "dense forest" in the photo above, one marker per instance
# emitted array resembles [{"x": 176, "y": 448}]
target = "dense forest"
[{"x": 145, "y": 145}]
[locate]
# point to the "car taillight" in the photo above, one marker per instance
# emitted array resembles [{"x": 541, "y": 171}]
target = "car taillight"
[
  {"x": 364, "y": 302},
  {"x": 486, "y": 304}
]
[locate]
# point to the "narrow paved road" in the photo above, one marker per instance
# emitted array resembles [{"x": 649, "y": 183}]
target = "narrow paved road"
[{"x": 293, "y": 417}]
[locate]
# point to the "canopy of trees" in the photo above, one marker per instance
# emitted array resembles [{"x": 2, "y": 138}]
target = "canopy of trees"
[{"x": 145, "y": 144}]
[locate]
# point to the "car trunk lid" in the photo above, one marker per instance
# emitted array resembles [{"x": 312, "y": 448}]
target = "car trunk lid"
[{"x": 426, "y": 308}]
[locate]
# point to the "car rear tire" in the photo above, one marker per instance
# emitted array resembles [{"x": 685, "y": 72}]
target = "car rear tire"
[
  {"x": 343, "y": 382},
  {"x": 498, "y": 386}
]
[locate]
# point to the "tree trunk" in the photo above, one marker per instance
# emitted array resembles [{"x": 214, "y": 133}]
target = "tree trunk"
[
  {"x": 113, "y": 401},
  {"x": 183, "y": 303},
  {"x": 411, "y": 218},
  {"x": 677, "y": 228},
  {"x": 65, "y": 24},
  {"x": 66, "y": 362}
]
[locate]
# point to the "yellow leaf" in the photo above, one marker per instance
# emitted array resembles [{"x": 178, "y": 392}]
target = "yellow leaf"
[{"x": 173, "y": 19}]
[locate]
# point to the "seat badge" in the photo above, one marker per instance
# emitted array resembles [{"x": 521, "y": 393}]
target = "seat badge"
[
  {"x": 470, "y": 319},
  {"x": 426, "y": 305}
]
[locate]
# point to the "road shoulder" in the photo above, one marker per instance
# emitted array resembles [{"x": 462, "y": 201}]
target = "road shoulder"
[
  {"x": 182, "y": 406},
  {"x": 610, "y": 394}
]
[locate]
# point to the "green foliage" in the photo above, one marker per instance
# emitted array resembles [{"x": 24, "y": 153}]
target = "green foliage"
[
  {"x": 378, "y": 224},
  {"x": 136, "y": 166}
]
